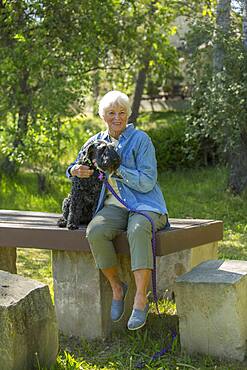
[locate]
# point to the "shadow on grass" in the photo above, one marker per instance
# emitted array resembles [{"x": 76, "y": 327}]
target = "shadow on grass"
[
  {"x": 139, "y": 350},
  {"x": 125, "y": 349}
]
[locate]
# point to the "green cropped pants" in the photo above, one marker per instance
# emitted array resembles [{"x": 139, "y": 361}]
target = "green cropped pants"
[{"x": 111, "y": 221}]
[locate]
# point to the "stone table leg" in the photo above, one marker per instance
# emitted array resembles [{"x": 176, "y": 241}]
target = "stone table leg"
[
  {"x": 8, "y": 259},
  {"x": 83, "y": 296},
  {"x": 173, "y": 265}
]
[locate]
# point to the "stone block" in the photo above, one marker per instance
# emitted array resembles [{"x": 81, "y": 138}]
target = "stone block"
[
  {"x": 28, "y": 327},
  {"x": 8, "y": 259},
  {"x": 173, "y": 265},
  {"x": 212, "y": 305},
  {"x": 83, "y": 296}
]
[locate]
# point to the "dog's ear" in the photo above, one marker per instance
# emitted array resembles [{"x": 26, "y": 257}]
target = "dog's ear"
[
  {"x": 87, "y": 153},
  {"x": 96, "y": 149},
  {"x": 90, "y": 148}
]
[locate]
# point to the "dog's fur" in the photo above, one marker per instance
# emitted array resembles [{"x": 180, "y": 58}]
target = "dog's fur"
[{"x": 78, "y": 208}]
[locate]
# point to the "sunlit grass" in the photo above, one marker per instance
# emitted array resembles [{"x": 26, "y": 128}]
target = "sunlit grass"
[
  {"x": 21, "y": 192},
  {"x": 35, "y": 264}
]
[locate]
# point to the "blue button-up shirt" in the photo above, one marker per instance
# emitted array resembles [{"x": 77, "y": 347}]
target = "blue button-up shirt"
[{"x": 137, "y": 175}]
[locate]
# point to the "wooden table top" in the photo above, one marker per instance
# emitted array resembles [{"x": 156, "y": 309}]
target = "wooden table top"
[{"x": 28, "y": 229}]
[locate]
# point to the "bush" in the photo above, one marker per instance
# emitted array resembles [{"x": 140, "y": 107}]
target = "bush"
[{"x": 169, "y": 144}]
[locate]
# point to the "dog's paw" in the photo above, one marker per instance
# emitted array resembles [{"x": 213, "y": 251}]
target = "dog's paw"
[{"x": 62, "y": 222}]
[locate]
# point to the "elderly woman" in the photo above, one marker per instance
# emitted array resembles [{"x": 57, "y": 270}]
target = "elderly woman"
[{"x": 135, "y": 182}]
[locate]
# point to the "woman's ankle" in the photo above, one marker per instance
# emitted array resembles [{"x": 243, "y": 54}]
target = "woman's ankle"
[
  {"x": 117, "y": 292},
  {"x": 140, "y": 301}
]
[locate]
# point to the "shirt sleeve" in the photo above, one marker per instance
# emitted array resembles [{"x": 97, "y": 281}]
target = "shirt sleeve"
[{"x": 144, "y": 177}]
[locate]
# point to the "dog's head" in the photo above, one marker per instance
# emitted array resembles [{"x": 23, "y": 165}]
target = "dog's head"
[{"x": 104, "y": 154}]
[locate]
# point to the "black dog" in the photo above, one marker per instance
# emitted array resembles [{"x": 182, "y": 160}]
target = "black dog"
[{"x": 78, "y": 208}]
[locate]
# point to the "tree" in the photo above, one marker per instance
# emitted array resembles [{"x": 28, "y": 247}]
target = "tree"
[
  {"x": 222, "y": 28},
  {"x": 147, "y": 50},
  {"x": 218, "y": 111},
  {"x": 238, "y": 156},
  {"x": 245, "y": 24},
  {"x": 48, "y": 49},
  {"x": 157, "y": 56}
]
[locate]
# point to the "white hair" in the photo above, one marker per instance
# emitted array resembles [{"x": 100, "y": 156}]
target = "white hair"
[{"x": 112, "y": 98}]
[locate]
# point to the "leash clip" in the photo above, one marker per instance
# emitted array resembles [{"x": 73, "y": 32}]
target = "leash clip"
[{"x": 102, "y": 176}]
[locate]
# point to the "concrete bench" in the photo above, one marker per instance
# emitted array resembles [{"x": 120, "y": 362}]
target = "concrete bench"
[
  {"x": 82, "y": 295},
  {"x": 28, "y": 325},
  {"x": 212, "y": 305}
]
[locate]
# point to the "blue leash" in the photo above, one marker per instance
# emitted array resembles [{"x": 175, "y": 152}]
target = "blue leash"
[
  {"x": 157, "y": 355},
  {"x": 103, "y": 178}
]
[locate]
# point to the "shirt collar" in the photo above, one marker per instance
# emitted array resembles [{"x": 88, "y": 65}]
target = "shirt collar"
[{"x": 126, "y": 133}]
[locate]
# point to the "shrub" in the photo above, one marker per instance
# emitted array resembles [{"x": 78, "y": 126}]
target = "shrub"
[{"x": 172, "y": 149}]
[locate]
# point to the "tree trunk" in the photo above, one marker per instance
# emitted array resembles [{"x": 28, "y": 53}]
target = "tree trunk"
[
  {"x": 245, "y": 24},
  {"x": 141, "y": 78},
  {"x": 140, "y": 83},
  {"x": 222, "y": 27},
  {"x": 21, "y": 126},
  {"x": 96, "y": 92},
  {"x": 237, "y": 182},
  {"x": 42, "y": 183},
  {"x": 24, "y": 106}
]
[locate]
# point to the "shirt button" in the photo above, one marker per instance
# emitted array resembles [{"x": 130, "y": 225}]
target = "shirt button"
[{"x": 124, "y": 199}]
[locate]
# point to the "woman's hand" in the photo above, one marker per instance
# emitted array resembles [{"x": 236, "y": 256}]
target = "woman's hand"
[{"x": 81, "y": 170}]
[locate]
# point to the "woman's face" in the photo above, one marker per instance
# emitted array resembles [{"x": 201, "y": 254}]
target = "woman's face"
[{"x": 116, "y": 119}]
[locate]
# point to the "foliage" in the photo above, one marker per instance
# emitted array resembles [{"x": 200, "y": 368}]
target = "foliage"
[
  {"x": 53, "y": 56},
  {"x": 48, "y": 65},
  {"x": 48, "y": 146},
  {"x": 168, "y": 137},
  {"x": 218, "y": 113},
  {"x": 78, "y": 130},
  {"x": 168, "y": 143},
  {"x": 45, "y": 63},
  {"x": 151, "y": 23},
  {"x": 42, "y": 146},
  {"x": 148, "y": 41}
]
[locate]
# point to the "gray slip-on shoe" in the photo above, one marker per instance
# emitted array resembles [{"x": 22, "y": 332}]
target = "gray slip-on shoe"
[
  {"x": 138, "y": 318},
  {"x": 117, "y": 306}
]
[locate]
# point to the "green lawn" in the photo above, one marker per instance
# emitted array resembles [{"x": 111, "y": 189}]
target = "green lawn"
[
  {"x": 201, "y": 193},
  {"x": 197, "y": 193}
]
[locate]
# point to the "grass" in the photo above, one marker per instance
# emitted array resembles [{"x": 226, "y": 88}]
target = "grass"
[
  {"x": 196, "y": 193},
  {"x": 201, "y": 193},
  {"x": 21, "y": 192}
]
